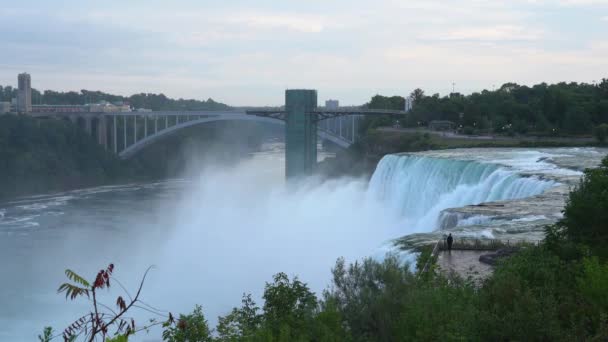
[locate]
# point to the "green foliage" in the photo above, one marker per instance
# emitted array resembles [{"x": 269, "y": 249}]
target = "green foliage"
[
  {"x": 73, "y": 291},
  {"x": 239, "y": 323},
  {"x": 563, "y": 108},
  {"x": 586, "y": 213},
  {"x": 593, "y": 283},
  {"x": 142, "y": 100},
  {"x": 601, "y": 133},
  {"x": 289, "y": 306},
  {"x": 118, "y": 338},
  {"x": 522, "y": 299},
  {"x": 46, "y": 155},
  {"x": 98, "y": 322},
  {"x": 47, "y": 335},
  {"x": 38, "y": 155},
  {"x": 383, "y": 102},
  {"x": 189, "y": 328}
]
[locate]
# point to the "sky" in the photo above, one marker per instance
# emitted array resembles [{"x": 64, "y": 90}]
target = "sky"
[{"x": 245, "y": 52}]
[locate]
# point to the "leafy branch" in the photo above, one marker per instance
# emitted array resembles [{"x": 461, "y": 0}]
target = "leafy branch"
[{"x": 97, "y": 323}]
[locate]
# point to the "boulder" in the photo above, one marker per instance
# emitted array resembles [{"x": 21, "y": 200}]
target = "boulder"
[{"x": 492, "y": 258}]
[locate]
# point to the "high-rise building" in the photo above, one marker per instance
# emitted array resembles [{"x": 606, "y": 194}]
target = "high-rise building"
[
  {"x": 332, "y": 104},
  {"x": 24, "y": 95},
  {"x": 409, "y": 104},
  {"x": 5, "y": 107}
]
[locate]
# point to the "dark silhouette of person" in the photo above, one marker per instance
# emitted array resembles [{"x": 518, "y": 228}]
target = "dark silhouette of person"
[{"x": 450, "y": 239}]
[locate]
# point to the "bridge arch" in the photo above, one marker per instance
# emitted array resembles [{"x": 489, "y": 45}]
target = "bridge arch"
[{"x": 133, "y": 149}]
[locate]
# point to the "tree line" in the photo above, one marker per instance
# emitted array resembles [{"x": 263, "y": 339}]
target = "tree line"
[
  {"x": 141, "y": 100},
  {"x": 543, "y": 109},
  {"x": 42, "y": 155},
  {"x": 51, "y": 155}
]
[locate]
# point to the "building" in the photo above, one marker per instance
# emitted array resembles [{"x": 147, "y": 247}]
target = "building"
[
  {"x": 409, "y": 104},
  {"x": 5, "y": 107},
  {"x": 24, "y": 94},
  {"x": 332, "y": 104},
  {"x": 107, "y": 107},
  {"x": 59, "y": 109}
]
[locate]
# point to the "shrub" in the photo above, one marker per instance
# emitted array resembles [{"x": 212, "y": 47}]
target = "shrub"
[
  {"x": 586, "y": 213},
  {"x": 601, "y": 133},
  {"x": 189, "y": 328}
]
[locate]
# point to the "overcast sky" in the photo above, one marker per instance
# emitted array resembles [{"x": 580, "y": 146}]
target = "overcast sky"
[{"x": 247, "y": 52}]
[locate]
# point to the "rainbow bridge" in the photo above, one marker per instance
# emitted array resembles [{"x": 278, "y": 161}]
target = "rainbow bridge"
[{"x": 127, "y": 133}]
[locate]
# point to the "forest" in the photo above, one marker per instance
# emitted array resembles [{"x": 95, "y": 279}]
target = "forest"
[
  {"x": 47, "y": 155},
  {"x": 142, "y": 100},
  {"x": 543, "y": 109}
]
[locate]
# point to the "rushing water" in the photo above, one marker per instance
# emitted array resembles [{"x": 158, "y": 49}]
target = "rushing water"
[
  {"x": 419, "y": 187},
  {"x": 226, "y": 232}
]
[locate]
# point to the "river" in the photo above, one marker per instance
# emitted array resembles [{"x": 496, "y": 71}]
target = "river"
[{"x": 228, "y": 230}]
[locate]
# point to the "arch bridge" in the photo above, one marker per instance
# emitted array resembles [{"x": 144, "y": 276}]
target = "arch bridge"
[{"x": 127, "y": 133}]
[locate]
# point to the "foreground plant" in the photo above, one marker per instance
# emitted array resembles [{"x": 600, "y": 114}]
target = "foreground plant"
[{"x": 102, "y": 319}]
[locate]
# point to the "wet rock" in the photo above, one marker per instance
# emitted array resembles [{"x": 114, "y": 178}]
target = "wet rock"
[{"x": 493, "y": 258}]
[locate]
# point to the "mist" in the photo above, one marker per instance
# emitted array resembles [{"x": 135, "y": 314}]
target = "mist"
[{"x": 234, "y": 227}]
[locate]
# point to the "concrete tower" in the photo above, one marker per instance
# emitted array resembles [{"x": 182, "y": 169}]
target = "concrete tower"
[
  {"x": 300, "y": 132},
  {"x": 24, "y": 95}
]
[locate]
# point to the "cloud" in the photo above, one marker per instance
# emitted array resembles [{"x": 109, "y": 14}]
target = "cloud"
[
  {"x": 248, "y": 53},
  {"x": 604, "y": 18},
  {"x": 583, "y": 2},
  {"x": 493, "y": 33},
  {"x": 305, "y": 24},
  {"x": 569, "y": 3}
]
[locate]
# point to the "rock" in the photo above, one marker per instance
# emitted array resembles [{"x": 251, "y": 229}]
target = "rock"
[{"x": 492, "y": 258}]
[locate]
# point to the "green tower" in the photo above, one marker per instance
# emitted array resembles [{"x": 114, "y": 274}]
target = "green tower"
[{"x": 300, "y": 132}]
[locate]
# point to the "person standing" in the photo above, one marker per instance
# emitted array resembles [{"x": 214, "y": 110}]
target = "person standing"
[{"x": 450, "y": 240}]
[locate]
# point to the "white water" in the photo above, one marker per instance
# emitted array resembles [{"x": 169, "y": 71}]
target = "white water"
[{"x": 418, "y": 188}]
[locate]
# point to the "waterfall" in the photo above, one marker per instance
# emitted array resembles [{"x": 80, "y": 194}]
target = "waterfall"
[{"x": 418, "y": 188}]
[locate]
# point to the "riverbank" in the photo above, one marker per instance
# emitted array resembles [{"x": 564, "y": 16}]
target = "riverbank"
[
  {"x": 54, "y": 155},
  {"x": 43, "y": 156}
]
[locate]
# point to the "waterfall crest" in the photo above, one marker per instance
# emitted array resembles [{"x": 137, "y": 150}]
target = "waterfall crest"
[{"x": 418, "y": 188}]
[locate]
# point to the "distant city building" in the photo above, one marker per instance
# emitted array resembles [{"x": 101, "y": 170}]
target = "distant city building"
[
  {"x": 24, "y": 94},
  {"x": 106, "y": 107},
  {"x": 409, "y": 104},
  {"x": 5, "y": 107},
  {"x": 332, "y": 104},
  {"x": 103, "y": 107}
]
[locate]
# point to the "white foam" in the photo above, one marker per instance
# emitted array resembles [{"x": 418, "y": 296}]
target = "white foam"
[
  {"x": 478, "y": 234},
  {"x": 530, "y": 218},
  {"x": 474, "y": 220},
  {"x": 419, "y": 188}
]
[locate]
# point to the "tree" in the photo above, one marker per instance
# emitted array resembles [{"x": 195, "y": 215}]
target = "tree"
[
  {"x": 240, "y": 323},
  {"x": 601, "y": 133},
  {"x": 189, "y": 328},
  {"x": 101, "y": 320},
  {"x": 289, "y": 306},
  {"x": 417, "y": 95},
  {"x": 586, "y": 213}
]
